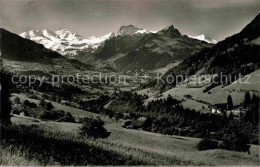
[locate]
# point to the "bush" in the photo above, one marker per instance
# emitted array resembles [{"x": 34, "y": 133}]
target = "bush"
[
  {"x": 93, "y": 128},
  {"x": 67, "y": 118},
  {"x": 237, "y": 143},
  {"x": 32, "y": 105},
  {"x": 42, "y": 102},
  {"x": 26, "y": 113},
  {"x": 33, "y": 97},
  {"x": 58, "y": 99},
  {"x": 48, "y": 106},
  {"x": 16, "y": 111},
  {"x": 118, "y": 116},
  {"x": 111, "y": 115},
  {"x": 17, "y": 100},
  {"x": 45, "y": 115},
  {"x": 59, "y": 116},
  {"x": 255, "y": 141},
  {"x": 207, "y": 144},
  {"x": 241, "y": 143},
  {"x": 26, "y": 103}
]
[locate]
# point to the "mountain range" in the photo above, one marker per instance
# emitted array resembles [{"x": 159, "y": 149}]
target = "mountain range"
[
  {"x": 237, "y": 54},
  {"x": 15, "y": 48},
  {"x": 132, "y": 48},
  {"x": 129, "y": 48},
  {"x": 65, "y": 42},
  {"x": 155, "y": 50}
]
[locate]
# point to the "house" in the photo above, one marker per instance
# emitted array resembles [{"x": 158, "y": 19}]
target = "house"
[
  {"x": 213, "y": 111},
  {"x": 219, "y": 108},
  {"x": 237, "y": 112}
]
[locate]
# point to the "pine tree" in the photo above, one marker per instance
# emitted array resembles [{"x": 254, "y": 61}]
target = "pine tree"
[
  {"x": 17, "y": 100},
  {"x": 255, "y": 101},
  {"x": 230, "y": 102},
  {"x": 247, "y": 99}
]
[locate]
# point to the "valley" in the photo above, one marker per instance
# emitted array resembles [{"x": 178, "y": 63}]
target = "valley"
[{"x": 70, "y": 100}]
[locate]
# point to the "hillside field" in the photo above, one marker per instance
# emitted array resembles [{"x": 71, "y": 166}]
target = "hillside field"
[{"x": 151, "y": 147}]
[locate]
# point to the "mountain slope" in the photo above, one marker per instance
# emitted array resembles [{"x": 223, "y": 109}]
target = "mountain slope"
[
  {"x": 239, "y": 53},
  {"x": 156, "y": 50},
  {"x": 126, "y": 37},
  {"x": 15, "y": 47},
  {"x": 87, "y": 50}
]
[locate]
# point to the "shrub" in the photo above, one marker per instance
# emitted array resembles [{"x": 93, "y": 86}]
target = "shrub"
[
  {"x": 33, "y": 97},
  {"x": 52, "y": 97},
  {"x": 67, "y": 118},
  {"x": 26, "y": 113},
  {"x": 200, "y": 133},
  {"x": 241, "y": 143},
  {"x": 111, "y": 115},
  {"x": 42, "y": 102},
  {"x": 207, "y": 144},
  {"x": 58, "y": 99},
  {"x": 32, "y": 105},
  {"x": 255, "y": 141},
  {"x": 44, "y": 96},
  {"x": 237, "y": 143},
  {"x": 45, "y": 115},
  {"x": 16, "y": 111},
  {"x": 48, "y": 106},
  {"x": 93, "y": 128},
  {"x": 17, "y": 100},
  {"x": 118, "y": 116},
  {"x": 26, "y": 103},
  {"x": 57, "y": 115}
]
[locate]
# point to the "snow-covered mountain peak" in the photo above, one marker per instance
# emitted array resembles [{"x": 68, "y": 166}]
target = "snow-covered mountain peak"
[
  {"x": 68, "y": 35},
  {"x": 64, "y": 41},
  {"x": 127, "y": 30},
  {"x": 71, "y": 44},
  {"x": 131, "y": 30},
  {"x": 203, "y": 37},
  {"x": 144, "y": 31}
]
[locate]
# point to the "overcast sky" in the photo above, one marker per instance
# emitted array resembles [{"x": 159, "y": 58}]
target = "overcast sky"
[{"x": 215, "y": 18}]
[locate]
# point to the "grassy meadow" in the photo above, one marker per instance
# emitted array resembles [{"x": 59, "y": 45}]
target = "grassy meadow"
[{"x": 31, "y": 141}]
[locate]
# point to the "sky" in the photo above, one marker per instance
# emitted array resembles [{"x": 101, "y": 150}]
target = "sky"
[{"x": 217, "y": 19}]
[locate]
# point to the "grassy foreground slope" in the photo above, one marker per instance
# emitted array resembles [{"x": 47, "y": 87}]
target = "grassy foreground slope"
[
  {"x": 130, "y": 147},
  {"x": 145, "y": 147}
]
